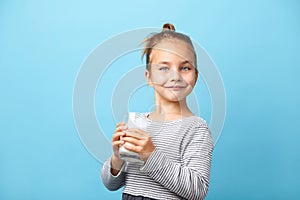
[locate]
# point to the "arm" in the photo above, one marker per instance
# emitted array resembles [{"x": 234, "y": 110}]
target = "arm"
[
  {"x": 189, "y": 179},
  {"x": 113, "y": 179},
  {"x": 112, "y": 172}
]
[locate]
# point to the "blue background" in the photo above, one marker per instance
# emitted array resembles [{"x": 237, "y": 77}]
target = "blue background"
[{"x": 255, "y": 45}]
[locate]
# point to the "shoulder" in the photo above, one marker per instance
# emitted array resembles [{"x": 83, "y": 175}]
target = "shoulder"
[
  {"x": 198, "y": 122},
  {"x": 194, "y": 123},
  {"x": 198, "y": 129},
  {"x": 198, "y": 136}
]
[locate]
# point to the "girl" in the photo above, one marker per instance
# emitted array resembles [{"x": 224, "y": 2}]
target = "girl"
[{"x": 176, "y": 146}]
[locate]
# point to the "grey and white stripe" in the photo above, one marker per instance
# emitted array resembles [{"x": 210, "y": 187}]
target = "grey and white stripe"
[{"x": 179, "y": 168}]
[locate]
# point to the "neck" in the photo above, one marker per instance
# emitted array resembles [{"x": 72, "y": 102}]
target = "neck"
[{"x": 170, "y": 110}]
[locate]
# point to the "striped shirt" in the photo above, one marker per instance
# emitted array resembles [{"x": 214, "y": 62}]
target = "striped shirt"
[{"x": 178, "y": 168}]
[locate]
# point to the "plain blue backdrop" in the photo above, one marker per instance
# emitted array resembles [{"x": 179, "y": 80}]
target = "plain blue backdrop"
[{"x": 255, "y": 45}]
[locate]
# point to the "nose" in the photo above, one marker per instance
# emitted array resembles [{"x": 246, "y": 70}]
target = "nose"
[{"x": 175, "y": 76}]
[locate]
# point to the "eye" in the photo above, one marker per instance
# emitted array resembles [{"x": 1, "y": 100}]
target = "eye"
[
  {"x": 163, "y": 69},
  {"x": 185, "y": 68}
]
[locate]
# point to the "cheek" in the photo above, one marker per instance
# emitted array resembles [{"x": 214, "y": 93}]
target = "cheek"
[
  {"x": 190, "y": 79},
  {"x": 158, "y": 78}
]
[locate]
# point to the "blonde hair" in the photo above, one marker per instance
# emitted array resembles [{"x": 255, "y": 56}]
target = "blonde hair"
[{"x": 168, "y": 32}]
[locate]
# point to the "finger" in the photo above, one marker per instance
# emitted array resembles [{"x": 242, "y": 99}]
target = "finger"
[
  {"x": 120, "y": 124},
  {"x": 131, "y": 147},
  {"x": 118, "y": 143},
  {"x": 139, "y": 131},
  {"x": 121, "y": 128},
  {"x": 132, "y": 140},
  {"x": 136, "y": 133},
  {"x": 116, "y": 136}
]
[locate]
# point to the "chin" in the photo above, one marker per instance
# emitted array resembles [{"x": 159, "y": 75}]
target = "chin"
[
  {"x": 172, "y": 97},
  {"x": 176, "y": 98}
]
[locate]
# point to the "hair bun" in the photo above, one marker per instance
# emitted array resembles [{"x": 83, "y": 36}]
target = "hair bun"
[{"x": 168, "y": 27}]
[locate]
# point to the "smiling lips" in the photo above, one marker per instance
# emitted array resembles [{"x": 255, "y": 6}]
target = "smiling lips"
[{"x": 175, "y": 87}]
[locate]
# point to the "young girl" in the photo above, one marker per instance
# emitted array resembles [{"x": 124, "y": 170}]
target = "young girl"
[{"x": 176, "y": 146}]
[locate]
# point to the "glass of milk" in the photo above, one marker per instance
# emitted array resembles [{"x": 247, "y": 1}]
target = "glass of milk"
[{"x": 125, "y": 154}]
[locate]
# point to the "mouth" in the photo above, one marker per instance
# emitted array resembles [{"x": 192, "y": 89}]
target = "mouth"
[{"x": 175, "y": 87}]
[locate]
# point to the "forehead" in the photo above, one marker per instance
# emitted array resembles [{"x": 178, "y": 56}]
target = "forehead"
[{"x": 172, "y": 49}]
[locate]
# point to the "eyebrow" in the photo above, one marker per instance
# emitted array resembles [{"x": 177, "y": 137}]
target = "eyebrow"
[
  {"x": 166, "y": 62},
  {"x": 186, "y": 62}
]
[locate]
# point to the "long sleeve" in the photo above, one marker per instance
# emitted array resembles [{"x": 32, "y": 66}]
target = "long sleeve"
[
  {"x": 110, "y": 181},
  {"x": 190, "y": 178}
]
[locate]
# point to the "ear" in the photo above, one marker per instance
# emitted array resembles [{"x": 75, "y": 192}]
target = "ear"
[
  {"x": 148, "y": 78},
  {"x": 196, "y": 75}
]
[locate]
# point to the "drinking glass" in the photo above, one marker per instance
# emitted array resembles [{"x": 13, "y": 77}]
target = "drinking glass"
[{"x": 125, "y": 154}]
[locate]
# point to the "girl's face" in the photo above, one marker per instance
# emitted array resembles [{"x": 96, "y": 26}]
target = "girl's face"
[{"x": 172, "y": 71}]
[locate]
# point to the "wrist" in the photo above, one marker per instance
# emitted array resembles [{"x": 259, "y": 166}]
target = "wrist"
[
  {"x": 116, "y": 160},
  {"x": 116, "y": 164},
  {"x": 148, "y": 154}
]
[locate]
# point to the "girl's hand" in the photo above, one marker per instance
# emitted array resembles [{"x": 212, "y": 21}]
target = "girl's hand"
[
  {"x": 116, "y": 142},
  {"x": 139, "y": 141},
  {"x": 116, "y": 162}
]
